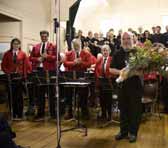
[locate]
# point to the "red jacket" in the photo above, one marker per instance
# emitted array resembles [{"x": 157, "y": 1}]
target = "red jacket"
[
  {"x": 22, "y": 65},
  {"x": 49, "y": 63},
  {"x": 98, "y": 69},
  {"x": 152, "y": 76},
  {"x": 70, "y": 64},
  {"x": 93, "y": 60}
]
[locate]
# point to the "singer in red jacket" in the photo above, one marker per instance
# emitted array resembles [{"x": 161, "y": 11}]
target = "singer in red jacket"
[
  {"x": 16, "y": 61},
  {"x": 74, "y": 63},
  {"x": 43, "y": 59},
  {"x": 77, "y": 61},
  {"x": 103, "y": 82},
  {"x": 21, "y": 65}
]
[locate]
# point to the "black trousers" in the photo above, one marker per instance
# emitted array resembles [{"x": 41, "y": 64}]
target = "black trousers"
[
  {"x": 130, "y": 105},
  {"x": 42, "y": 90},
  {"x": 32, "y": 95},
  {"x": 81, "y": 93},
  {"x": 105, "y": 97},
  {"x": 17, "y": 98},
  {"x": 164, "y": 93}
]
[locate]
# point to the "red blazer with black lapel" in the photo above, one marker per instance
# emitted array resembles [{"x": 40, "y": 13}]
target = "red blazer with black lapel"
[
  {"x": 22, "y": 65},
  {"x": 70, "y": 64},
  {"x": 98, "y": 69},
  {"x": 50, "y": 61}
]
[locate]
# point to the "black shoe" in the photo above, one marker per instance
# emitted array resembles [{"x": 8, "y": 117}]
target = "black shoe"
[
  {"x": 165, "y": 111},
  {"x": 19, "y": 146},
  {"x": 121, "y": 136},
  {"x": 109, "y": 118},
  {"x": 85, "y": 115},
  {"x": 68, "y": 116},
  {"x": 30, "y": 113},
  {"x": 102, "y": 118},
  {"x": 38, "y": 118},
  {"x": 132, "y": 138}
]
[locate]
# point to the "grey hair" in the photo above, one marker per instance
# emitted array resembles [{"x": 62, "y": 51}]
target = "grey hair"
[
  {"x": 76, "y": 41},
  {"x": 106, "y": 47}
]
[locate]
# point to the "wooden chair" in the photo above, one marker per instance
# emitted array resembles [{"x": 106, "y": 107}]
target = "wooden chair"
[{"x": 150, "y": 97}]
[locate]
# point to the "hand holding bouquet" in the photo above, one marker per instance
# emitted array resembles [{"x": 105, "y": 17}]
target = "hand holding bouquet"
[{"x": 145, "y": 59}]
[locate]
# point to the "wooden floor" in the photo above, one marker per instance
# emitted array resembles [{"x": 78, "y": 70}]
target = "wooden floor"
[{"x": 153, "y": 134}]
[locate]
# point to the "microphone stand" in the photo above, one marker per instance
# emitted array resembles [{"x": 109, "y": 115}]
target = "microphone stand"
[
  {"x": 10, "y": 99},
  {"x": 57, "y": 31}
]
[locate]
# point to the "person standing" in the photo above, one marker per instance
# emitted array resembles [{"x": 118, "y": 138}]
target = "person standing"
[
  {"x": 103, "y": 82},
  {"x": 130, "y": 93},
  {"x": 43, "y": 59},
  {"x": 76, "y": 63},
  {"x": 15, "y": 61}
]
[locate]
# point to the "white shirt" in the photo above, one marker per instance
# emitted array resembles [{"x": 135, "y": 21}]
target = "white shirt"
[
  {"x": 15, "y": 51},
  {"x": 41, "y": 64}
]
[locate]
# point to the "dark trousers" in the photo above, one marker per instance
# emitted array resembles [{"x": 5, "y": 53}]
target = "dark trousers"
[
  {"x": 130, "y": 105},
  {"x": 81, "y": 95},
  {"x": 32, "y": 94},
  {"x": 105, "y": 97},
  {"x": 17, "y": 98},
  {"x": 164, "y": 93},
  {"x": 42, "y": 90},
  {"x": 106, "y": 104}
]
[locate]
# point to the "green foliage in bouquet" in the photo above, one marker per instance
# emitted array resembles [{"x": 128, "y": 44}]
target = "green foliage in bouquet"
[
  {"x": 139, "y": 59},
  {"x": 149, "y": 58}
]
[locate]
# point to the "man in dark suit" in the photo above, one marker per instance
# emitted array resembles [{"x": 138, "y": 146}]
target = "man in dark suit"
[
  {"x": 95, "y": 45},
  {"x": 158, "y": 36},
  {"x": 165, "y": 37},
  {"x": 81, "y": 37},
  {"x": 130, "y": 93}
]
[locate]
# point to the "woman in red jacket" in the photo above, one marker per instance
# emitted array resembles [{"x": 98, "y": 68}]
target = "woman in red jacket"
[
  {"x": 103, "y": 81},
  {"x": 16, "y": 61}
]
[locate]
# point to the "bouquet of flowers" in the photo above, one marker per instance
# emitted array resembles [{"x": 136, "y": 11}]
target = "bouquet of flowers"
[{"x": 149, "y": 58}]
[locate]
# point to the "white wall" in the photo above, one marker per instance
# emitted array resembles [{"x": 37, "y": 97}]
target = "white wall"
[
  {"x": 9, "y": 30},
  {"x": 35, "y": 15},
  {"x": 100, "y": 15},
  {"x": 64, "y": 16},
  {"x": 64, "y": 9}
]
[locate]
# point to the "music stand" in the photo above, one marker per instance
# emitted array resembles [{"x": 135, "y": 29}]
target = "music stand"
[{"x": 75, "y": 85}]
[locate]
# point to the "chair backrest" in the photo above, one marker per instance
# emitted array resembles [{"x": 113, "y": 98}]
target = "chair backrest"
[{"x": 151, "y": 90}]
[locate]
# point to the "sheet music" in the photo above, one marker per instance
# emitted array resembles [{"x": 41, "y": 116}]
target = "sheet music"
[{"x": 62, "y": 68}]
